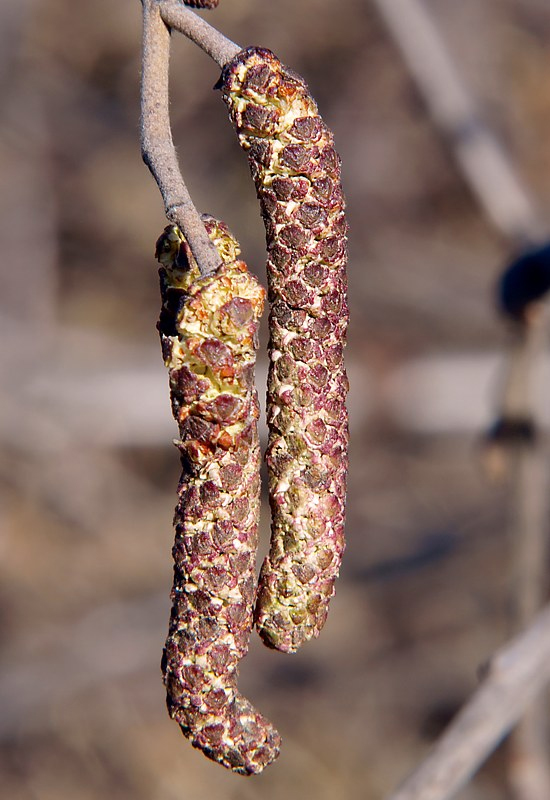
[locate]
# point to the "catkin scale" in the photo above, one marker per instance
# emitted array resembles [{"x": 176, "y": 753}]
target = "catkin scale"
[
  {"x": 208, "y": 329},
  {"x": 297, "y": 175},
  {"x": 201, "y": 3}
]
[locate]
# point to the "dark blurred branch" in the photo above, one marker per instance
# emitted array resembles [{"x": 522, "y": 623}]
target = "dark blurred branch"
[
  {"x": 479, "y": 155},
  {"x": 157, "y": 146},
  {"x": 514, "y": 677}
]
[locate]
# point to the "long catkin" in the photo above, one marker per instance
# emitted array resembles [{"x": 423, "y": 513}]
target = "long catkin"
[
  {"x": 208, "y": 329},
  {"x": 297, "y": 175}
]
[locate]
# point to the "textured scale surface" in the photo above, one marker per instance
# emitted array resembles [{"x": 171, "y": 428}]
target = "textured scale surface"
[
  {"x": 297, "y": 175},
  {"x": 208, "y": 329},
  {"x": 201, "y": 3}
]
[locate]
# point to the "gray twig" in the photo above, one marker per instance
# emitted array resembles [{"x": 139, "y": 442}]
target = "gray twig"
[
  {"x": 529, "y": 769},
  {"x": 528, "y": 766},
  {"x": 517, "y": 450},
  {"x": 214, "y": 44},
  {"x": 157, "y": 147},
  {"x": 516, "y": 674}
]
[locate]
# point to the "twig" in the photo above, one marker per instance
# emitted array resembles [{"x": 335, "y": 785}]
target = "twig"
[
  {"x": 214, "y": 44},
  {"x": 529, "y": 774},
  {"x": 516, "y": 440},
  {"x": 516, "y": 674},
  {"x": 482, "y": 160},
  {"x": 529, "y": 770},
  {"x": 529, "y": 531},
  {"x": 516, "y": 395},
  {"x": 528, "y": 767},
  {"x": 157, "y": 147}
]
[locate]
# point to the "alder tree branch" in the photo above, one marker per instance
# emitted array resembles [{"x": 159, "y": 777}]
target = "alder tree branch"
[
  {"x": 513, "y": 678},
  {"x": 157, "y": 147}
]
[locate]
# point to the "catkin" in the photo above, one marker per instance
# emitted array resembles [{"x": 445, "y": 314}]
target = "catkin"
[
  {"x": 201, "y": 3},
  {"x": 208, "y": 328},
  {"x": 297, "y": 175}
]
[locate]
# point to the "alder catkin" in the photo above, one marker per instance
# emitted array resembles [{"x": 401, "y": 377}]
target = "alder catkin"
[
  {"x": 208, "y": 328},
  {"x": 297, "y": 175},
  {"x": 201, "y": 3}
]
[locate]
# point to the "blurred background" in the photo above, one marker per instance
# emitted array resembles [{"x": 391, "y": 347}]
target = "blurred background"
[{"x": 88, "y": 473}]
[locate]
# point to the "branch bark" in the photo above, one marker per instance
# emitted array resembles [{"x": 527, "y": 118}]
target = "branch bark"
[
  {"x": 211, "y": 41},
  {"x": 157, "y": 147}
]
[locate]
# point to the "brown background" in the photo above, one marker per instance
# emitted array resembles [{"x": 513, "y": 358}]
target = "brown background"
[{"x": 86, "y": 498}]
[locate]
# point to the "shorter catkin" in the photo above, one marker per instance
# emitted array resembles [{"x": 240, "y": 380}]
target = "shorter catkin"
[{"x": 208, "y": 328}]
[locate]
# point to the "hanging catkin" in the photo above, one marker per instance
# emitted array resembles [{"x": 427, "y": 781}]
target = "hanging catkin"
[
  {"x": 297, "y": 175},
  {"x": 208, "y": 329}
]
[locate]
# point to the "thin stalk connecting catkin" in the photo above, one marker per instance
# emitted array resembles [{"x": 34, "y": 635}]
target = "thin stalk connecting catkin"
[
  {"x": 208, "y": 329},
  {"x": 297, "y": 175}
]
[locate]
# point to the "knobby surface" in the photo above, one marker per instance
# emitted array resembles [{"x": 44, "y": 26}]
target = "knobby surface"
[{"x": 87, "y": 495}]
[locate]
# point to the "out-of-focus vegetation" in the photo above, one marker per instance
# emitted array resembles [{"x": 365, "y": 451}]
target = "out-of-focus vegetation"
[{"x": 87, "y": 471}]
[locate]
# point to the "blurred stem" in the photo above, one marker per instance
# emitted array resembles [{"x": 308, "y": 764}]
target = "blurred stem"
[
  {"x": 515, "y": 676},
  {"x": 481, "y": 159},
  {"x": 516, "y": 403},
  {"x": 528, "y": 766},
  {"x": 529, "y": 531},
  {"x": 487, "y": 170},
  {"x": 516, "y": 441},
  {"x": 529, "y": 498},
  {"x": 157, "y": 147}
]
